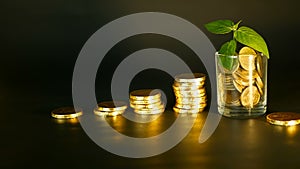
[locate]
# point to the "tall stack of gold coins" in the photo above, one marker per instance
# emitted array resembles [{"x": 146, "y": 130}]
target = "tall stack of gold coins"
[
  {"x": 190, "y": 93},
  {"x": 110, "y": 108},
  {"x": 147, "y": 101}
]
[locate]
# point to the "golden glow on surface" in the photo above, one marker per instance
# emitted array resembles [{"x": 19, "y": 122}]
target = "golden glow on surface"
[
  {"x": 292, "y": 130},
  {"x": 65, "y": 121}
]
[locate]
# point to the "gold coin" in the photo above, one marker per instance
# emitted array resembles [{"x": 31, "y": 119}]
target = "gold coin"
[
  {"x": 190, "y": 77},
  {"x": 244, "y": 74},
  {"x": 112, "y": 106},
  {"x": 191, "y": 103},
  {"x": 259, "y": 82},
  {"x": 155, "y": 111},
  {"x": 259, "y": 65},
  {"x": 191, "y": 92},
  {"x": 156, "y": 101},
  {"x": 188, "y": 106},
  {"x": 247, "y": 51},
  {"x": 250, "y": 97},
  {"x": 189, "y": 95},
  {"x": 284, "y": 118},
  {"x": 145, "y": 94},
  {"x": 243, "y": 82},
  {"x": 225, "y": 82},
  {"x": 260, "y": 90},
  {"x": 192, "y": 100},
  {"x": 247, "y": 58},
  {"x": 186, "y": 88},
  {"x": 185, "y": 111},
  {"x": 238, "y": 86},
  {"x": 260, "y": 85},
  {"x": 147, "y": 106},
  {"x": 188, "y": 84},
  {"x": 231, "y": 96},
  {"x": 65, "y": 113},
  {"x": 108, "y": 113}
]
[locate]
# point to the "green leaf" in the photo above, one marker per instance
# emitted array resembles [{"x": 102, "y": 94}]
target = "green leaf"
[
  {"x": 219, "y": 26},
  {"x": 235, "y": 26},
  {"x": 249, "y": 37},
  {"x": 227, "y": 49}
]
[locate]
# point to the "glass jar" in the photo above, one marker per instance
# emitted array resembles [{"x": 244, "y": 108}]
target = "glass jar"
[{"x": 241, "y": 85}]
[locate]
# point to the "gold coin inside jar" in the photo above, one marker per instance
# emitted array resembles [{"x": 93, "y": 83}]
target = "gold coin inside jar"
[{"x": 250, "y": 97}]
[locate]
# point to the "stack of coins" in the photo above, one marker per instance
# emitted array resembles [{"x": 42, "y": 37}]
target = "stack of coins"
[
  {"x": 110, "y": 108},
  {"x": 146, "y": 101},
  {"x": 190, "y": 93},
  {"x": 244, "y": 86}
]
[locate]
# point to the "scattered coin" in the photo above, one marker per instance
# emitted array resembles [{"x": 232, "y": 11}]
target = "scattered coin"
[
  {"x": 65, "y": 113},
  {"x": 284, "y": 118}
]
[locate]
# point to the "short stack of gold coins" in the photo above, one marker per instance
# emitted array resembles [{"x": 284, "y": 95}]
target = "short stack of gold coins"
[
  {"x": 110, "y": 108},
  {"x": 147, "y": 101},
  {"x": 190, "y": 93}
]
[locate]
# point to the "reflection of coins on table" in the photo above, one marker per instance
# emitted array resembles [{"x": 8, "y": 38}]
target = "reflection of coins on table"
[
  {"x": 284, "y": 118},
  {"x": 110, "y": 108},
  {"x": 65, "y": 113}
]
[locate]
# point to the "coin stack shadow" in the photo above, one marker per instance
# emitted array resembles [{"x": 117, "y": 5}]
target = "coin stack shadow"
[
  {"x": 146, "y": 101},
  {"x": 190, "y": 93},
  {"x": 110, "y": 108}
]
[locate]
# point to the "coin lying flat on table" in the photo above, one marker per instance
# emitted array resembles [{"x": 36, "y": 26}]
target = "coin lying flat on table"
[
  {"x": 284, "y": 118},
  {"x": 65, "y": 113},
  {"x": 190, "y": 77},
  {"x": 112, "y": 106},
  {"x": 145, "y": 94}
]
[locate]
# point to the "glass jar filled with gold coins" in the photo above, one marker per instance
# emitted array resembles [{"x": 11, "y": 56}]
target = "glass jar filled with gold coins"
[{"x": 242, "y": 83}]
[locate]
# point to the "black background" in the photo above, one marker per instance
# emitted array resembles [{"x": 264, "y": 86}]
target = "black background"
[{"x": 40, "y": 41}]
